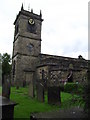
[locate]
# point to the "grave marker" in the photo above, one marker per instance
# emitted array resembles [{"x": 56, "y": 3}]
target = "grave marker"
[
  {"x": 40, "y": 92},
  {"x": 31, "y": 90},
  {"x": 6, "y": 89},
  {"x": 54, "y": 95},
  {"x": 7, "y": 108}
]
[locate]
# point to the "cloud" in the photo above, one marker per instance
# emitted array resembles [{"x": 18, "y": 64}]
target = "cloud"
[{"x": 64, "y": 30}]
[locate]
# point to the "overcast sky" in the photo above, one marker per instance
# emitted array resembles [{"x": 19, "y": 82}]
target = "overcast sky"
[{"x": 64, "y": 29}]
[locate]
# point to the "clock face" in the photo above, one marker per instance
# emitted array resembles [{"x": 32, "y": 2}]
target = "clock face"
[
  {"x": 31, "y": 21},
  {"x": 31, "y": 26}
]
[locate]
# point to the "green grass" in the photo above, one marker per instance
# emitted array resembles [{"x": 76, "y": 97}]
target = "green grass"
[{"x": 28, "y": 105}]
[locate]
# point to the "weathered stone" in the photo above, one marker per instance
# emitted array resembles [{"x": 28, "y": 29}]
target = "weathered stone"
[
  {"x": 6, "y": 89},
  {"x": 26, "y": 45},
  {"x": 30, "y": 81},
  {"x": 31, "y": 90},
  {"x": 73, "y": 113},
  {"x": 40, "y": 92},
  {"x": 7, "y": 108},
  {"x": 54, "y": 96}
]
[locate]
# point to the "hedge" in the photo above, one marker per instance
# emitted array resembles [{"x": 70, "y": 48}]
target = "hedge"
[{"x": 70, "y": 87}]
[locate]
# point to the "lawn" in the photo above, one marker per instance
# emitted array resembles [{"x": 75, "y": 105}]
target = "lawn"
[{"x": 28, "y": 105}]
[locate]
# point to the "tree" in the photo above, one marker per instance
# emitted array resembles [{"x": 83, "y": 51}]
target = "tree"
[
  {"x": 6, "y": 65},
  {"x": 86, "y": 92}
]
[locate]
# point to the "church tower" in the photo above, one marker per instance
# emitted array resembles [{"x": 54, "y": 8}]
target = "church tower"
[{"x": 26, "y": 46}]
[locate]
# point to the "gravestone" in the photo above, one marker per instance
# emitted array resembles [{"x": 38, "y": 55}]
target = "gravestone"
[
  {"x": 40, "y": 92},
  {"x": 31, "y": 90},
  {"x": 6, "y": 108},
  {"x": 6, "y": 89},
  {"x": 54, "y": 96}
]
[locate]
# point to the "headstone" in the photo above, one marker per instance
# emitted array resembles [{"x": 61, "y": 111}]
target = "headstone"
[
  {"x": 7, "y": 108},
  {"x": 6, "y": 89},
  {"x": 54, "y": 96},
  {"x": 31, "y": 90},
  {"x": 40, "y": 92},
  {"x": 24, "y": 83}
]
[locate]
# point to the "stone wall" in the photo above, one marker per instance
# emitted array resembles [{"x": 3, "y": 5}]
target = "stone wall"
[
  {"x": 64, "y": 62},
  {"x": 59, "y": 67},
  {"x": 26, "y": 46},
  {"x": 24, "y": 64}
]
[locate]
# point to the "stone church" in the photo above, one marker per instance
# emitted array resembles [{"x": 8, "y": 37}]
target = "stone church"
[{"x": 30, "y": 65}]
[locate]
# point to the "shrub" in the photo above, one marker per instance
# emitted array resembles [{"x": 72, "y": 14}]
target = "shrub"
[
  {"x": 70, "y": 87},
  {"x": 62, "y": 87},
  {"x": 80, "y": 89},
  {"x": 85, "y": 95}
]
